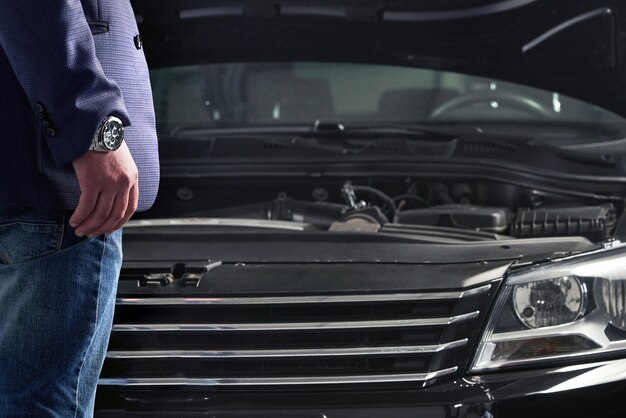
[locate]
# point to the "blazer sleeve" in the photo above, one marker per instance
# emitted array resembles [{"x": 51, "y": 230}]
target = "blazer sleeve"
[{"x": 51, "y": 49}]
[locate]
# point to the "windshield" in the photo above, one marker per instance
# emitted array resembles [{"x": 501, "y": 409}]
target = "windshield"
[{"x": 262, "y": 94}]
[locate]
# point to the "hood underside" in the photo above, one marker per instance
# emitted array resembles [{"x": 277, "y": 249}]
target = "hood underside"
[{"x": 575, "y": 48}]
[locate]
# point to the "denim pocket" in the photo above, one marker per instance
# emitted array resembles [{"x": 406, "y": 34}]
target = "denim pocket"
[{"x": 28, "y": 233}]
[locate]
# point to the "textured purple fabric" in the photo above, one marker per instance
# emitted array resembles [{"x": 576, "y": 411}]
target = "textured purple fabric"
[{"x": 76, "y": 60}]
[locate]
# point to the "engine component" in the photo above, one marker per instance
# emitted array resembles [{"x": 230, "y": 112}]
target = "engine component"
[
  {"x": 318, "y": 213},
  {"x": 320, "y": 194},
  {"x": 461, "y": 193},
  {"x": 372, "y": 214},
  {"x": 442, "y": 193},
  {"x": 593, "y": 222},
  {"x": 479, "y": 218},
  {"x": 349, "y": 196},
  {"x": 321, "y": 214},
  {"x": 356, "y": 224},
  {"x": 440, "y": 234}
]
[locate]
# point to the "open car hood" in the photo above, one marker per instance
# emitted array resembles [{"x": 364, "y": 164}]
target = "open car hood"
[{"x": 572, "y": 47}]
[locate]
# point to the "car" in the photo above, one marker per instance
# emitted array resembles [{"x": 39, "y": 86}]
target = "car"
[{"x": 378, "y": 208}]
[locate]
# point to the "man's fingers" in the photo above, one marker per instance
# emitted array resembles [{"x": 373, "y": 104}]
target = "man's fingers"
[
  {"x": 133, "y": 199},
  {"x": 86, "y": 204},
  {"x": 98, "y": 216},
  {"x": 118, "y": 211}
]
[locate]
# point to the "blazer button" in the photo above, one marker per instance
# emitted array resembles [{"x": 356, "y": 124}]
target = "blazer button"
[
  {"x": 46, "y": 124},
  {"x": 42, "y": 116},
  {"x": 51, "y": 132},
  {"x": 138, "y": 41},
  {"x": 38, "y": 108}
]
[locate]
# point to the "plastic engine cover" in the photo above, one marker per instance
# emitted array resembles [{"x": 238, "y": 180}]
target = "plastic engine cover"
[
  {"x": 593, "y": 222},
  {"x": 479, "y": 218}
]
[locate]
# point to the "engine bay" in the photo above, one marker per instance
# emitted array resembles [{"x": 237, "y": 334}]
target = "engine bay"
[{"x": 470, "y": 209}]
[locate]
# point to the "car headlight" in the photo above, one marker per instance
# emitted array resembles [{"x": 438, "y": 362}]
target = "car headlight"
[{"x": 563, "y": 309}]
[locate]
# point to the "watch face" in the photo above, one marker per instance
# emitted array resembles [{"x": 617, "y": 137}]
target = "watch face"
[{"x": 112, "y": 134}]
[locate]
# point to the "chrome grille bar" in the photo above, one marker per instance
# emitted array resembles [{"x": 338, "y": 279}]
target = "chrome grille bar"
[
  {"x": 279, "y": 300},
  {"x": 270, "y": 381},
  {"x": 319, "y": 352},
  {"x": 286, "y": 326},
  {"x": 249, "y": 223}
]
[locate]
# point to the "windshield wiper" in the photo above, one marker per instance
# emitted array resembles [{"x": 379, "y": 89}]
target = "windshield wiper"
[
  {"x": 333, "y": 129},
  {"x": 337, "y": 137}
]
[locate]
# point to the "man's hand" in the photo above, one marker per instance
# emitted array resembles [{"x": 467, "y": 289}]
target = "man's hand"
[{"x": 109, "y": 191}]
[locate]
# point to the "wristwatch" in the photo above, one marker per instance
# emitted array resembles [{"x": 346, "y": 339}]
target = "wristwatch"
[{"x": 109, "y": 136}]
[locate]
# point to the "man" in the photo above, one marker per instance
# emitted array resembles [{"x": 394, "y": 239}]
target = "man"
[{"x": 78, "y": 155}]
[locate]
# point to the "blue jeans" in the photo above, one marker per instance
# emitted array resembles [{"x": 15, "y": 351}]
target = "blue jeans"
[{"x": 57, "y": 296}]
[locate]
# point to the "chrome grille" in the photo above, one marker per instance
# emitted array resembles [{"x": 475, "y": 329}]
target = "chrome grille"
[{"x": 193, "y": 337}]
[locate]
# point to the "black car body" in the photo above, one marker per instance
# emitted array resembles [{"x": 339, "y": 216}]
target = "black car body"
[{"x": 379, "y": 209}]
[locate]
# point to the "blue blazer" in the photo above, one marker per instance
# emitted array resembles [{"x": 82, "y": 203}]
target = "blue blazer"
[{"x": 65, "y": 65}]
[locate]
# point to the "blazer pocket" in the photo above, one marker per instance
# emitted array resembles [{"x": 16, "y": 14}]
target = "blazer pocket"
[{"x": 98, "y": 27}]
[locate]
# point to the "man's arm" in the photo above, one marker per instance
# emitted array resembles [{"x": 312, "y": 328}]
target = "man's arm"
[{"x": 52, "y": 52}]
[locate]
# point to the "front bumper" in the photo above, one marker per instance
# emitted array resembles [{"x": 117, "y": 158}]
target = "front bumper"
[
  {"x": 255, "y": 270},
  {"x": 592, "y": 390}
]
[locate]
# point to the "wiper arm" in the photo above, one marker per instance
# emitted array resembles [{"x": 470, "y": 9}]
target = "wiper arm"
[{"x": 428, "y": 132}]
